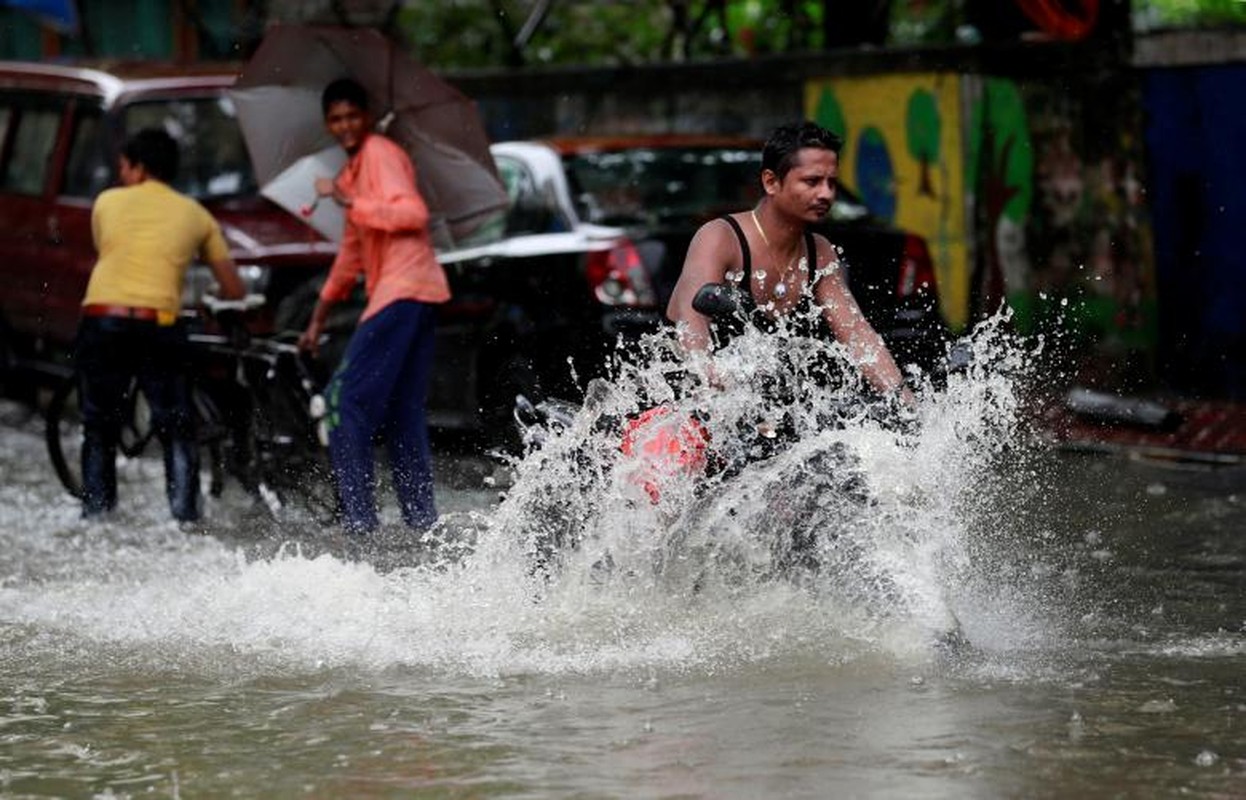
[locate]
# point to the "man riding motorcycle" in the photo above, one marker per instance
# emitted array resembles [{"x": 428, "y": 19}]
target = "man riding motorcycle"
[{"x": 778, "y": 268}]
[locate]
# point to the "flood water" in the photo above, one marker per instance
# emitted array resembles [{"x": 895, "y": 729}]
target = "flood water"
[{"x": 1102, "y": 599}]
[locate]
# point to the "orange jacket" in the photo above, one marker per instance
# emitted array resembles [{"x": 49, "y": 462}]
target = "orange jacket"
[{"x": 386, "y": 236}]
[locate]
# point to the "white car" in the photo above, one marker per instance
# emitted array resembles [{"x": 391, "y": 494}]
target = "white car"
[{"x": 541, "y": 297}]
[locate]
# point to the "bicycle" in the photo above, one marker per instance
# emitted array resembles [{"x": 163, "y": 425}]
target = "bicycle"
[{"x": 259, "y": 414}]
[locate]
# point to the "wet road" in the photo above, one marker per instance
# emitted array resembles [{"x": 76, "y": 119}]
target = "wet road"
[{"x": 1105, "y": 603}]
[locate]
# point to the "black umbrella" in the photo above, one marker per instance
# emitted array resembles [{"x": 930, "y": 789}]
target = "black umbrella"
[{"x": 278, "y": 102}]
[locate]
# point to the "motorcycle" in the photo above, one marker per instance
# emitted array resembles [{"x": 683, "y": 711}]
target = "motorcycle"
[{"x": 702, "y": 493}]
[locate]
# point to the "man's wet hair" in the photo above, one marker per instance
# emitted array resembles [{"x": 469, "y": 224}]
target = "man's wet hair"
[
  {"x": 779, "y": 153},
  {"x": 344, "y": 89},
  {"x": 155, "y": 150}
]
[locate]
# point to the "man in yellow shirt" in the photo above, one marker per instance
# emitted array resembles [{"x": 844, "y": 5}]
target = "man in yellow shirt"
[{"x": 146, "y": 234}]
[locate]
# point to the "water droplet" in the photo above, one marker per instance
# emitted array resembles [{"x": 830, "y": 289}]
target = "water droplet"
[
  {"x": 1077, "y": 728},
  {"x": 1206, "y": 758},
  {"x": 1165, "y": 706}
]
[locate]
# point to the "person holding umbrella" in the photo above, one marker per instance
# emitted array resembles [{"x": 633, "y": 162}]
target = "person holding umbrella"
[{"x": 382, "y": 382}]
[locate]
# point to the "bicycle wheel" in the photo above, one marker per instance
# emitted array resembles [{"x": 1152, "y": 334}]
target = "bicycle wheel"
[
  {"x": 63, "y": 434},
  {"x": 212, "y": 433},
  {"x": 63, "y": 431},
  {"x": 291, "y": 465}
]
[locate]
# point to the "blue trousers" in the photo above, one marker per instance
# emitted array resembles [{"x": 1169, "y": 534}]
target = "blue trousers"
[
  {"x": 380, "y": 388},
  {"x": 110, "y": 353}
]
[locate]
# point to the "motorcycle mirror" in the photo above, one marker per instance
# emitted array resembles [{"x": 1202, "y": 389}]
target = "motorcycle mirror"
[{"x": 715, "y": 300}]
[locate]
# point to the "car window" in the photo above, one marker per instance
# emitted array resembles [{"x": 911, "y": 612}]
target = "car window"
[
  {"x": 214, "y": 161},
  {"x": 87, "y": 172},
  {"x": 30, "y": 155},
  {"x": 530, "y": 211},
  {"x": 663, "y": 186}
]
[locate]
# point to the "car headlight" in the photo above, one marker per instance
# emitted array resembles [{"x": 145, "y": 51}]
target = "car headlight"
[{"x": 201, "y": 281}]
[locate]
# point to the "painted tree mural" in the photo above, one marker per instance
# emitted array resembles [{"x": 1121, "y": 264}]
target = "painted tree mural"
[
  {"x": 830, "y": 114},
  {"x": 923, "y": 133}
]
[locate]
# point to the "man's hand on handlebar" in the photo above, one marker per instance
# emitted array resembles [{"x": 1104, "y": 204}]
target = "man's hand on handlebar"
[{"x": 310, "y": 339}]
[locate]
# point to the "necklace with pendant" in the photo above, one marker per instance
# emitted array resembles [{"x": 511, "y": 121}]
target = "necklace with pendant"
[{"x": 779, "y": 290}]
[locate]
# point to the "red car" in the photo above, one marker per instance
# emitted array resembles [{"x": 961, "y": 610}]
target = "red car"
[
  {"x": 60, "y": 130},
  {"x": 586, "y": 254},
  {"x": 526, "y": 297}
]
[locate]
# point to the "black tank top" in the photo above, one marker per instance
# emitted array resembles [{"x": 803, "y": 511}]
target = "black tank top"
[{"x": 802, "y": 316}]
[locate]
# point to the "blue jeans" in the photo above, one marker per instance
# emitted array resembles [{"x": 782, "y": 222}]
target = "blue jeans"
[
  {"x": 380, "y": 388},
  {"x": 111, "y": 353}
]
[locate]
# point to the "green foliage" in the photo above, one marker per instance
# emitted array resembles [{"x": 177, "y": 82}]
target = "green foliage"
[
  {"x": 479, "y": 33},
  {"x": 1182, "y": 13}
]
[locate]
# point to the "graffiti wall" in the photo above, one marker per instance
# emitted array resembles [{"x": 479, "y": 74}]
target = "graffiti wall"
[
  {"x": 1057, "y": 172},
  {"x": 1029, "y": 193},
  {"x": 903, "y": 154}
]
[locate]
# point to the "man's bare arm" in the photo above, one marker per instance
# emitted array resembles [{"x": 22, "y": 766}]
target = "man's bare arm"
[
  {"x": 229, "y": 282},
  {"x": 865, "y": 347},
  {"x": 708, "y": 258}
]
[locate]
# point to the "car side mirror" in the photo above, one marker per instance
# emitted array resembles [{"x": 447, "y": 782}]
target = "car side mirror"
[{"x": 715, "y": 300}]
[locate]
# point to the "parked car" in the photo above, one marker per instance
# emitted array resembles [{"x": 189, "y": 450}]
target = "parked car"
[
  {"x": 660, "y": 189},
  {"x": 540, "y": 298},
  {"x": 61, "y": 128},
  {"x": 532, "y": 291},
  {"x": 586, "y": 253}
]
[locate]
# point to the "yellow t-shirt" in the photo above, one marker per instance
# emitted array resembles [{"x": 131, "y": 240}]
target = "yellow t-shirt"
[{"x": 146, "y": 236}]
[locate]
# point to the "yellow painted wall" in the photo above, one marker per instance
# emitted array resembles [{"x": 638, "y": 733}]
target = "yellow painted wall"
[{"x": 878, "y": 109}]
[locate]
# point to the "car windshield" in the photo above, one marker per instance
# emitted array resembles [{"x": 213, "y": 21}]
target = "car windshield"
[
  {"x": 672, "y": 186},
  {"x": 214, "y": 161},
  {"x": 656, "y": 186}
]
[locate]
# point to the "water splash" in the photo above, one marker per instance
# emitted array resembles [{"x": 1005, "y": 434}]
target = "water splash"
[
  {"x": 852, "y": 540},
  {"x": 859, "y": 531}
]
